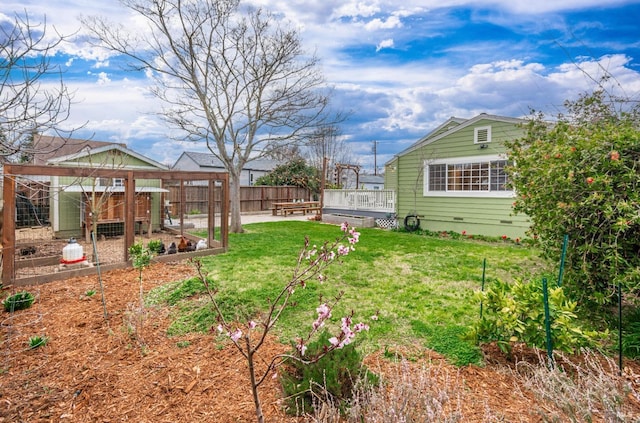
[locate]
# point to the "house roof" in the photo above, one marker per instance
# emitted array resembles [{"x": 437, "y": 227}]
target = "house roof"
[
  {"x": 47, "y": 147},
  {"x": 454, "y": 125},
  {"x": 208, "y": 160},
  {"x": 92, "y": 151},
  {"x": 371, "y": 179}
]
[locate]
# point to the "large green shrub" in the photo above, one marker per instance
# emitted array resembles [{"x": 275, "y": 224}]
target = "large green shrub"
[
  {"x": 330, "y": 379},
  {"x": 295, "y": 173},
  {"x": 580, "y": 176},
  {"x": 514, "y": 312}
]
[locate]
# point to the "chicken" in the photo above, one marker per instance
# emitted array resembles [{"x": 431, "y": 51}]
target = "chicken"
[{"x": 182, "y": 245}]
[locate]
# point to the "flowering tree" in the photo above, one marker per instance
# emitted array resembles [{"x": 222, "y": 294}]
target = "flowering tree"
[
  {"x": 580, "y": 177},
  {"x": 250, "y": 336}
]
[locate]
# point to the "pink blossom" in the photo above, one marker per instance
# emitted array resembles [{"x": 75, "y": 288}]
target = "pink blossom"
[
  {"x": 236, "y": 335},
  {"x": 321, "y": 278},
  {"x": 359, "y": 327},
  {"x": 374, "y": 317},
  {"x": 334, "y": 341},
  {"x": 344, "y": 227},
  {"x": 342, "y": 250},
  {"x": 301, "y": 348},
  {"x": 252, "y": 324},
  {"x": 220, "y": 328},
  {"x": 323, "y": 311}
]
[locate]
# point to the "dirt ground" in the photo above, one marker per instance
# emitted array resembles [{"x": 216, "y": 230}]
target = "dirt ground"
[{"x": 94, "y": 369}]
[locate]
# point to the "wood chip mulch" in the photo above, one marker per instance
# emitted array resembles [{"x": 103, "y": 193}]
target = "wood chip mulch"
[{"x": 96, "y": 369}]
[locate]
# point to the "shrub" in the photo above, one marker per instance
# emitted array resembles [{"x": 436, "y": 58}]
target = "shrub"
[
  {"x": 514, "y": 312},
  {"x": 579, "y": 177},
  {"x": 585, "y": 390},
  {"x": 154, "y": 246},
  {"x": 18, "y": 301},
  {"x": 331, "y": 379}
]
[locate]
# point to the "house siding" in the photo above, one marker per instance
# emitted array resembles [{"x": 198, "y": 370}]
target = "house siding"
[
  {"x": 66, "y": 216},
  {"x": 474, "y": 215}
]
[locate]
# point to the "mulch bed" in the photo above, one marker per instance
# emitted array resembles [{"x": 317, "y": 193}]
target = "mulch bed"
[{"x": 96, "y": 369}]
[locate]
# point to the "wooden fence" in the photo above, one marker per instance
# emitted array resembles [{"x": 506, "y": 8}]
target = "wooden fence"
[{"x": 252, "y": 199}]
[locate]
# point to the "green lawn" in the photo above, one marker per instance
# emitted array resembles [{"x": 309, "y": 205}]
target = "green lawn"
[{"x": 421, "y": 287}]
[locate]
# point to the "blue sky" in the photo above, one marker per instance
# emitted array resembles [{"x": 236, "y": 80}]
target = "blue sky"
[{"x": 401, "y": 67}]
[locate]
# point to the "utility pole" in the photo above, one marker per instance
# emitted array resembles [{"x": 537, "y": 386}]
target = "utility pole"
[{"x": 375, "y": 158}]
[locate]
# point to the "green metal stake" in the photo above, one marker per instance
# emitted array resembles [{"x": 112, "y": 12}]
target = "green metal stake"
[
  {"x": 484, "y": 269},
  {"x": 564, "y": 253},
  {"x": 619, "y": 329},
  {"x": 95, "y": 254},
  {"x": 547, "y": 320}
]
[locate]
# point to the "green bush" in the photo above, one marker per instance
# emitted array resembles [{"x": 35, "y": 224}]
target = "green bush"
[
  {"x": 631, "y": 334},
  {"x": 18, "y": 301},
  {"x": 154, "y": 246},
  {"x": 514, "y": 312},
  {"x": 330, "y": 379},
  {"x": 579, "y": 177}
]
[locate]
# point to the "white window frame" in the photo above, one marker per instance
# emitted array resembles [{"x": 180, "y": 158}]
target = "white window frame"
[
  {"x": 477, "y": 130},
  {"x": 464, "y": 160}
]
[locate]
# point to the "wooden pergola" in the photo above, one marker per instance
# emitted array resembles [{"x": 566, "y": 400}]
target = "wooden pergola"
[{"x": 216, "y": 180}]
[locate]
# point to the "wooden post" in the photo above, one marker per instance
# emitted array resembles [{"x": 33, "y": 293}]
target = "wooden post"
[
  {"x": 211, "y": 213},
  {"x": 8, "y": 226},
  {"x": 224, "y": 212},
  {"x": 322, "y": 184},
  {"x": 183, "y": 200},
  {"x": 129, "y": 213}
]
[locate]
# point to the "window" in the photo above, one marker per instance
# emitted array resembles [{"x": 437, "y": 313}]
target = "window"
[
  {"x": 482, "y": 135},
  {"x": 110, "y": 182},
  {"x": 467, "y": 178}
]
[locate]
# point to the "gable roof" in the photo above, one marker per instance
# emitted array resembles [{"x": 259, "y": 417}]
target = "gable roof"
[
  {"x": 47, "y": 147},
  {"x": 460, "y": 124},
  {"x": 104, "y": 148},
  {"x": 208, "y": 160}
]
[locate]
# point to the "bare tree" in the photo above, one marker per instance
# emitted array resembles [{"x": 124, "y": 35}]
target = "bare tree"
[
  {"x": 237, "y": 79},
  {"x": 326, "y": 142},
  {"x": 33, "y": 96}
]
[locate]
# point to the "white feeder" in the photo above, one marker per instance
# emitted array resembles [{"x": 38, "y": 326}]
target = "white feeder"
[{"x": 72, "y": 253}]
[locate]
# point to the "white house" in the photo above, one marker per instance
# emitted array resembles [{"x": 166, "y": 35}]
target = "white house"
[
  {"x": 371, "y": 182},
  {"x": 206, "y": 162}
]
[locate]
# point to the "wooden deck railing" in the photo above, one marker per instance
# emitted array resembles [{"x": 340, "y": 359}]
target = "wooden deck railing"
[{"x": 361, "y": 199}]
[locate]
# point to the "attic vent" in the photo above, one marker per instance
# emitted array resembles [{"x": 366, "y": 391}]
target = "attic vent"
[{"x": 482, "y": 135}]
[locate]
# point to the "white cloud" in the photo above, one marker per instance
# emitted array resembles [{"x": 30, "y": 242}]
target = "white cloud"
[
  {"x": 389, "y": 23},
  {"x": 385, "y": 44},
  {"x": 103, "y": 78}
]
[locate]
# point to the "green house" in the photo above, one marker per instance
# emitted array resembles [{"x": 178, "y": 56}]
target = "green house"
[
  {"x": 77, "y": 202},
  {"x": 454, "y": 178}
]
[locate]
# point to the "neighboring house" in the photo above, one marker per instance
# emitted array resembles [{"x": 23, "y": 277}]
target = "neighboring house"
[
  {"x": 47, "y": 147},
  {"x": 73, "y": 199},
  {"x": 207, "y": 162},
  {"x": 454, "y": 178},
  {"x": 371, "y": 182}
]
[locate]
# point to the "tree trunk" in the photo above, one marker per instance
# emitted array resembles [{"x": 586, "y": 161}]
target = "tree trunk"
[
  {"x": 235, "y": 225},
  {"x": 254, "y": 386}
]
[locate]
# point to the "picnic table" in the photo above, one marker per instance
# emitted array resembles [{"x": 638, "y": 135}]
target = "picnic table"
[{"x": 291, "y": 207}]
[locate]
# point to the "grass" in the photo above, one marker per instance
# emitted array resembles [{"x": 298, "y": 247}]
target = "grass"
[{"x": 420, "y": 286}]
